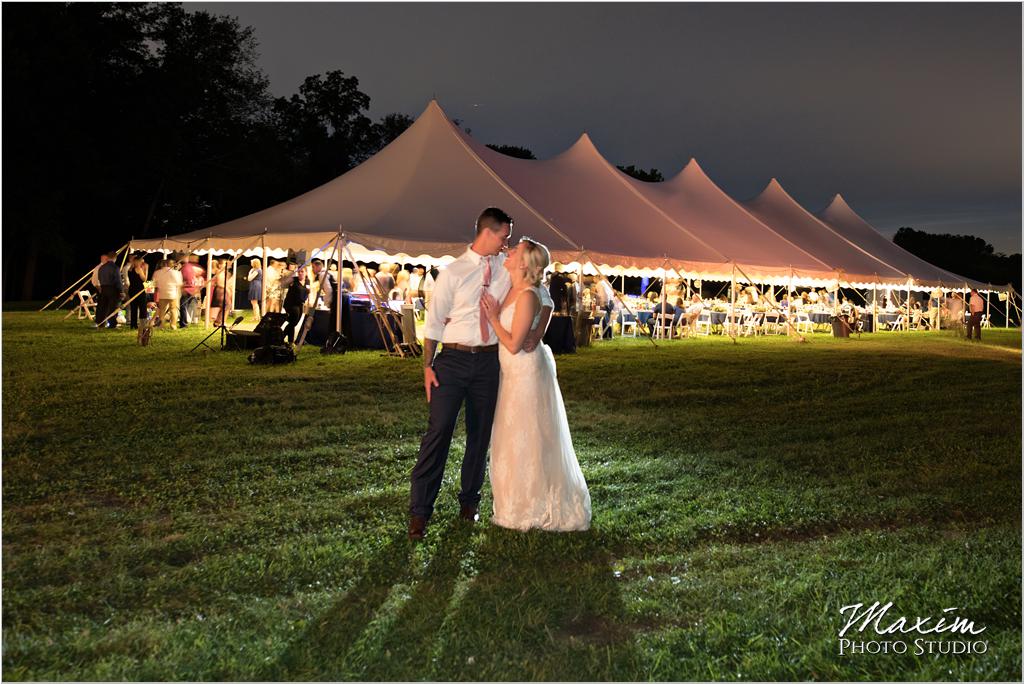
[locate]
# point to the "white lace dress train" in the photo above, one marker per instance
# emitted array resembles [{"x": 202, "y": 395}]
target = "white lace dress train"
[{"x": 535, "y": 478}]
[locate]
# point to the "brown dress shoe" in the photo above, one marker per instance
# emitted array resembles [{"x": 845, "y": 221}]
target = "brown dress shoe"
[
  {"x": 417, "y": 527},
  {"x": 469, "y": 513}
]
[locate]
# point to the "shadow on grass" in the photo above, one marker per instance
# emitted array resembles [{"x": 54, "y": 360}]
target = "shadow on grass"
[
  {"x": 330, "y": 637},
  {"x": 541, "y": 606}
]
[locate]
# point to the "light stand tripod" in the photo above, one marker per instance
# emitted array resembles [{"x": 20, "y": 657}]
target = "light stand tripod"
[{"x": 222, "y": 327}]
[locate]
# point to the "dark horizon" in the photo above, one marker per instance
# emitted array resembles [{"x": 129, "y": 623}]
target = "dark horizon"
[{"x": 910, "y": 111}]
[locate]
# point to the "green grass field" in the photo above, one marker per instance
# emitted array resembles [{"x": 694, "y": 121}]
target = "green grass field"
[{"x": 173, "y": 516}]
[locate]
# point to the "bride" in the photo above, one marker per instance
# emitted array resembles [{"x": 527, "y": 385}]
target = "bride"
[{"x": 535, "y": 478}]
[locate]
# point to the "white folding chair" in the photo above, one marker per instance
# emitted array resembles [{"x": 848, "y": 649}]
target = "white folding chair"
[
  {"x": 663, "y": 322},
  {"x": 627, "y": 320},
  {"x": 86, "y": 307},
  {"x": 750, "y": 324},
  {"x": 703, "y": 325},
  {"x": 985, "y": 323},
  {"x": 804, "y": 324}
]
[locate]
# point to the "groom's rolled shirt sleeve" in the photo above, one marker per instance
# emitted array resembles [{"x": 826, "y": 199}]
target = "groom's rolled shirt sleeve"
[{"x": 440, "y": 307}]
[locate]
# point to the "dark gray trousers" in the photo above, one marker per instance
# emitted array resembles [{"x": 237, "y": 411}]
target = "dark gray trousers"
[{"x": 467, "y": 378}]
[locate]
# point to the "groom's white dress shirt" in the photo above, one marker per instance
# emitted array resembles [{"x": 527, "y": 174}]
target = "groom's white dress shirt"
[{"x": 454, "y": 313}]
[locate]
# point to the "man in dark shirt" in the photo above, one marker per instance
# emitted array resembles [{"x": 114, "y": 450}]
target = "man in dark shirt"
[
  {"x": 658, "y": 311},
  {"x": 111, "y": 290}
]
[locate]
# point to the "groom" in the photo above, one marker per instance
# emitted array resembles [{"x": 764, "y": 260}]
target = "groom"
[{"x": 466, "y": 370}]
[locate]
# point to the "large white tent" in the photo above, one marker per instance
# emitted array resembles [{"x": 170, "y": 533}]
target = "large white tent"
[
  {"x": 776, "y": 208},
  {"x": 846, "y": 222},
  {"x": 416, "y": 200}
]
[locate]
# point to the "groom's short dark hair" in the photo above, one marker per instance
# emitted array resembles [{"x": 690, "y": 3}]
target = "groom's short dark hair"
[{"x": 492, "y": 218}]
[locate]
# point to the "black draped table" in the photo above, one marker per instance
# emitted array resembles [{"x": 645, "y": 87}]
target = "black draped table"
[{"x": 364, "y": 331}]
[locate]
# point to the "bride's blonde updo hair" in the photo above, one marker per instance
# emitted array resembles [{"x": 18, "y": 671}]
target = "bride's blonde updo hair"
[{"x": 536, "y": 258}]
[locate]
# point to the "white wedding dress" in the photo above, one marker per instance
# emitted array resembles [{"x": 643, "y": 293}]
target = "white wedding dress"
[{"x": 536, "y": 480}]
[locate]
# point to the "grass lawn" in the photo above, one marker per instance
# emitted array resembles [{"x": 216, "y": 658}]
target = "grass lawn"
[{"x": 169, "y": 515}]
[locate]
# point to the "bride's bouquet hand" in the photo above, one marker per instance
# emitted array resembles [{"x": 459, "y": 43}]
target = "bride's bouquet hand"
[{"x": 490, "y": 306}]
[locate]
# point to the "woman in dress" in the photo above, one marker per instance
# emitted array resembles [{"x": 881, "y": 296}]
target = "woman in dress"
[
  {"x": 255, "y": 279},
  {"x": 535, "y": 478},
  {"x": 219, "y": 297},
  {"x": 138, "y": 274}
]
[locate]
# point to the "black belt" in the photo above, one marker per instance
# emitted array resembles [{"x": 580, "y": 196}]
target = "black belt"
[{"x": 471, "y": 350}]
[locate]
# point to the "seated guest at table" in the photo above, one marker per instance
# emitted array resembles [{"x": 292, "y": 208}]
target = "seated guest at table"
[
  {"x": 295, "y": 297},
  {"x": 917, "y": 317},
  {"x": 692, "y": 312},
  {"x": 661, "y": 310}
]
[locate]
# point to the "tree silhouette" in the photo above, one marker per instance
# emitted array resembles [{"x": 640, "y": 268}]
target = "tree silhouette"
[
  {"x": 513, "y": 151},
  {"x": 651, "y": 176},
  {"x": 964, "y": 255}
]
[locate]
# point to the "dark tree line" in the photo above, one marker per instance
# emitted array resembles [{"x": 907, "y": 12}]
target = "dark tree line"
[
  {"x": 143, "y": 120},
  {"x": 149, "y": 119},
  {"x": 964, "y": 255}
]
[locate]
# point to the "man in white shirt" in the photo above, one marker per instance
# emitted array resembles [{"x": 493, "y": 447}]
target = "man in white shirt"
[
  {"x": 977, "y": 305},
  {"x": 466, "y": 370},
  {"x": 167, "y": 283}
]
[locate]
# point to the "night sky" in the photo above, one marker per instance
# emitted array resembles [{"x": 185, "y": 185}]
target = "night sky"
[{"x": 911, "y": 111}]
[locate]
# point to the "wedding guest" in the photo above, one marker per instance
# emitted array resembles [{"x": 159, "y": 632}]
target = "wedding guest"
[
  {"x": 321, "y": 293},
  {"x": 400, "y": 291},
  {"x": 606, "y": 305},
  {"x": 194, "y": 278},
  {"x": 255, "y": 278},
  {"x": 273, "y": 278},
  {"x": 111, "y": 290},
  {"x": 167, "y": 282},
  {"x": 296, "y": 295},
  {"x": 977, "y": 304},
  {"x": 223, "y": 292},
  {"x": 94, "y": 280},
  {"x": 138, "y": 274},
  {"x": 693, "y": 311},
  {"x": 386, "y": 278}
]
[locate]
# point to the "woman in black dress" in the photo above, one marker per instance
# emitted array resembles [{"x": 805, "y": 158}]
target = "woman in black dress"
[
  {"x": 138, "y": 274},
  {"x": 295, "y": 301}
]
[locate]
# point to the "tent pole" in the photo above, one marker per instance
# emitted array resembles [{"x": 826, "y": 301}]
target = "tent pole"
[
  {"x": 664, "y": 296},
  {"x": 209, "y": 285},
  {"x": 988, "y": 306},
  {"x": 263, "y": 275},
  {"x": 1009, "y": 298},
  {"x": 732, "y": 305},
  {"x": 874, "y": 305},
  {"x": 73, "y": 286},
  {"x": 340, "y": 244}
]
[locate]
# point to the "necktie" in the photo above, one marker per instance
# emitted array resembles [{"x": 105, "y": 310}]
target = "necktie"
[{"x": 485, "y": 332}]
